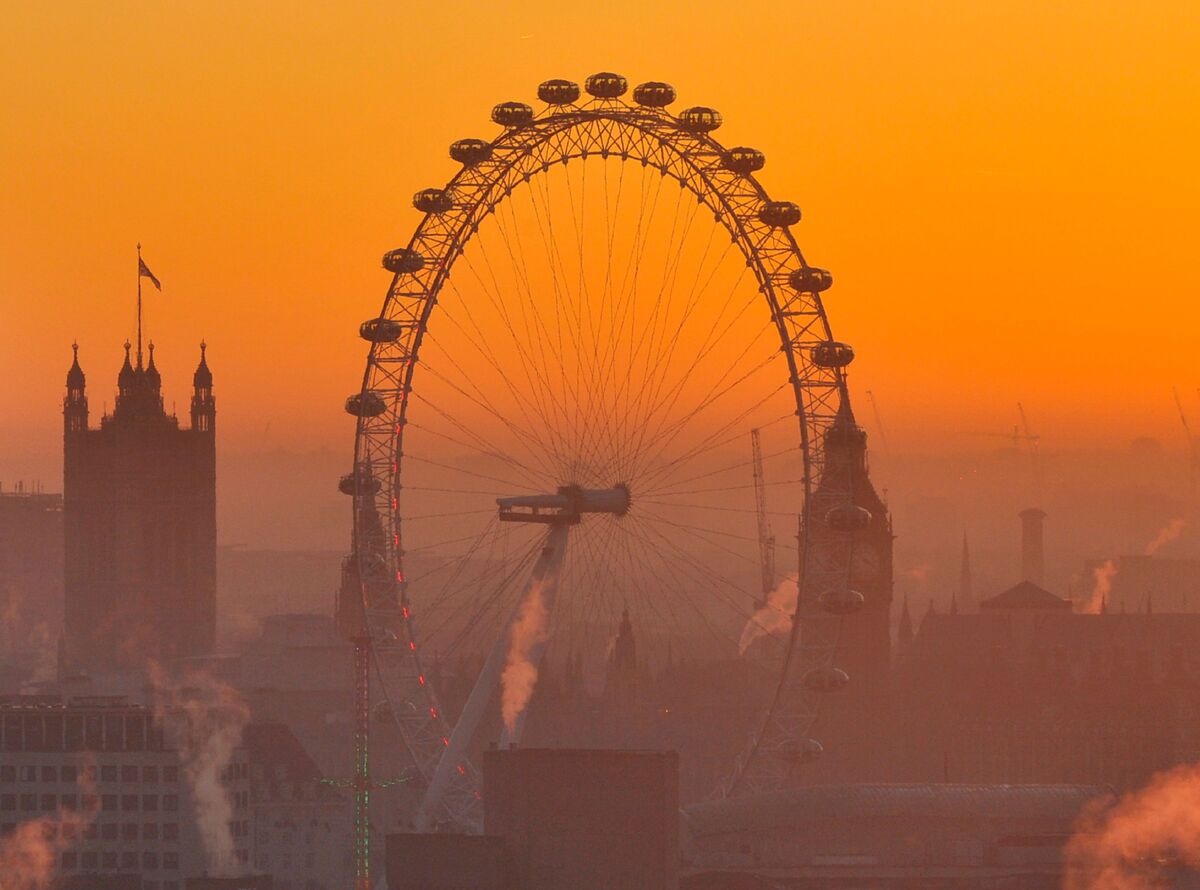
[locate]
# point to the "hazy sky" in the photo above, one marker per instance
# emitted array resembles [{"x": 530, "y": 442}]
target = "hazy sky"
[{"x": 1006, "y": 192}]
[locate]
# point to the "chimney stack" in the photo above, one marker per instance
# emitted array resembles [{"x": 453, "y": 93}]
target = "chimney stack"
[{"x": 1033, "y": 548}]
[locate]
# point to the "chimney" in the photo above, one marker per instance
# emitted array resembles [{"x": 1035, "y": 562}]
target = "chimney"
[{"x": 1033, "y": 548}]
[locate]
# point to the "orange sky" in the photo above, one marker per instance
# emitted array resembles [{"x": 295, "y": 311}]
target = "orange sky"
[{"x": 1007, "y": 193}]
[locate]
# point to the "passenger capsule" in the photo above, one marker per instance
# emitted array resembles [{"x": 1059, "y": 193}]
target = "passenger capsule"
[
  {"x": 368, "y": 483},
  {"x": 403, "y": 260},
  {"x": 699, "y": 119},
  {"x": 779, "y": 214},
  {"x": 380, "y": 330},
  {"x": 743, "y": 161},
  {"x": 842, "y": 601},
  {"x": 826, "y": 679},
  {"x": 606, "y": 85},
  {"x": 433, "y": 200},
  {"x": 512, "y": 114},
  {"x": 803, "y": 751},
  {"x": 654, "y": 94},
  {"x": 558, "y": 92},
  {"x": 367, "y": 404},
  {"x": 848, "y": 518},
  {"x": 832, "y": 354},
  {"x": 470, "y": 152},
  {"x": 810, "y": 280}
]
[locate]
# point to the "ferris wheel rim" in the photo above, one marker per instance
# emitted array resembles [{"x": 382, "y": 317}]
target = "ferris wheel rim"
[{"x": 685, "y": 157}]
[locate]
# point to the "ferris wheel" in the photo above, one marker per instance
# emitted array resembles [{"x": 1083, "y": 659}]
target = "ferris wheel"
[{"x": 589, "y": 320}]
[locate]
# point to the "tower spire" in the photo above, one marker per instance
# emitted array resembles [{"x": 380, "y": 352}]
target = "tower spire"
[{"x": 964, "y": 573}]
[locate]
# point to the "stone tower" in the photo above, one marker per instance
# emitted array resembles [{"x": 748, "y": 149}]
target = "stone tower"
[{"x": 139, "y": 504}]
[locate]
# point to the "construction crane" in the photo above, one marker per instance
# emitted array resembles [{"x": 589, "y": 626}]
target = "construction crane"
[
  {"x": 1031, "y": 441},
  {"x": 766, "y": 539},
  {"x": 878, "y": 420},
  {"x": 1193, "y": 446}
]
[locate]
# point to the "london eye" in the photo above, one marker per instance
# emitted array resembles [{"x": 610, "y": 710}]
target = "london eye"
[{"x": 592, "y": 318}]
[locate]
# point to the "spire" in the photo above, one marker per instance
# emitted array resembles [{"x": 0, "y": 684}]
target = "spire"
[
  {"x": 964, "y": 572},
  {"x": 202, "y": 379},
  {"x": 75, "y": 378},
  {"x": 152, "y": 372},
  {"x": 953, "y": 603},
  {"x": 904, "y": 634}
]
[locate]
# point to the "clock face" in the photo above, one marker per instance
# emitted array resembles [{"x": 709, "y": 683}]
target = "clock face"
[{"x": 864, "y": 564}]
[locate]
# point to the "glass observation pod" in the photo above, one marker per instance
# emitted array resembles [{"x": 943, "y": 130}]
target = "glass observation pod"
[
  {"x": 779, "y": 214},
  {"x": 700, "y": 119},
  {"x": 848, "y": 518},
  {"x": 606, "y": 85},
  {"x": 433, "y": 200},
  {"x": 512, "y": 114},
  {"x": 811, "y": 280},
  {"x": 826, "y": 679},
  {"x": 470, "y": 152},
  {"x": 842, "y": 601},
  {"x": 743, "y": 161},
  {"x": 402, "y": 260},
  {"x": 380, "y": 330},
  {"x": 367, "y": 404},
  {"x": 558, "y": 92},
  {"x": 832, "y": 354},
  {"x": 654, "y": 94}
]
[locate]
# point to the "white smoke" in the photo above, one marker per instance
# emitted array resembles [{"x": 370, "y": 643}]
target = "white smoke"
[
  {"x": 1166, "y": 535},
  {"x": 530, "y": 630},
  {"x": 214, "y": 716},
  {"x": 1103, "y": 574},
  {"x": 775, "y": 617}
]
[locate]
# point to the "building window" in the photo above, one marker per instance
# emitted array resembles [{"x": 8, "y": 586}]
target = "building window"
[
  {"x": 8, "y": 773},
  {"x": 68, "y": 802},
  {"x": 108, "y": 803},
  {"x": 109, "y": 860},
  {"x": 70, "y": 860},
  {"x": 129, "y": 803},
  {"x": 171, "y": 831},
  {"x": 150, "y": 861},
  {"x": 8, "y": 802},
  {"x": 129, "y": 860},
  {"x": 171, "y": 802},
  {"x": 150, "y": 803},
  {"x": 49, "y": 802},
  {"x": 89, "y": 859},
  {"x": 90, "y": 832},
  {"x": 49, "y": 775},
  {"x": 129, "y": 831},
  {"x": 129, "y": 774},
  {"x": 150, "y": 831},
  {"x": 69, "y": 775},
  {"x": 171, "y": 860},
  {"x": 150, "y": 775},
  {"x": 108, "y": 773},
  {"x": 69, "y": 830},
  {"x": 108, "y": 831},
  {"x": 28, "y": 773},
  {"x": 90, "y": 803},
  {"x": 28, "y": 803},
  {"x": 170, "y": 774}
]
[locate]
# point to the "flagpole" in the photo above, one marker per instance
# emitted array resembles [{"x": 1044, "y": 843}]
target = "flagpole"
[{"x": 139, "y": 305}]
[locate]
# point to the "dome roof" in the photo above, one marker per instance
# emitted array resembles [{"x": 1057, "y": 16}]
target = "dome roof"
[
  {"x": 202, "y": 379},
  {"x": 75, "y": 378}
]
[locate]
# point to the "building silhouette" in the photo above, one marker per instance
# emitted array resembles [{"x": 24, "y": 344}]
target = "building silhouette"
[{"x": 139, "y": 502}]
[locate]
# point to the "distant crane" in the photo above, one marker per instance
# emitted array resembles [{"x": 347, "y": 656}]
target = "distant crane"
[
  {"x": 766, "y": 538},
  {"x": 878, "y": 420},
  {"x": 1193, "y": 446},
  {"x": 1031, "y": 441}
]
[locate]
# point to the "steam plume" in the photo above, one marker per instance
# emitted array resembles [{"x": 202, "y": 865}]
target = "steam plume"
[
  {"x": 29, "y": 856},
  {"x": 1102, "y": 575},
  {"x": 520, "y": 675},
  {"x": 1133, "y": 843},
  {"x": 1166, "y": 535},
  {"x": 775, "y": 617},
  {"x": 214, "y": 716}
]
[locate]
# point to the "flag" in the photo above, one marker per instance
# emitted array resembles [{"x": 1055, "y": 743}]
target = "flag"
[{"x": 144, "y": 272}]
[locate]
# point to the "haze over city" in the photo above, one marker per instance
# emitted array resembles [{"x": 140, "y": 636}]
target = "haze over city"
[{"x": 740, "y": 355}]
